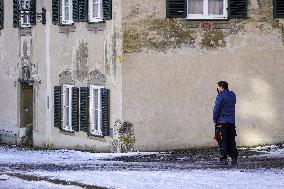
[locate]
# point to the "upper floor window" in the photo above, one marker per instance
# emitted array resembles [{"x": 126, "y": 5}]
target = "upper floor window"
[
  {"x": 1, "y": 14},
  {"x": 95, "y": 10},
  {"x": 70, "y": 11},
  {"x": 67, "y": 12},
  {"x": 207, "y": 9},
  {"x": 24, "y": 9},
  {"x": 278, "y": 8}
]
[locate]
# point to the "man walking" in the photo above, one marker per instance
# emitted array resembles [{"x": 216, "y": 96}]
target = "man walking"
[{"x": 224, "y": 119}]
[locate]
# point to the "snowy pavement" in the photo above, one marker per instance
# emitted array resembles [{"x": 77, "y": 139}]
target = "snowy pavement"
[{"x": 260, "y": 167}]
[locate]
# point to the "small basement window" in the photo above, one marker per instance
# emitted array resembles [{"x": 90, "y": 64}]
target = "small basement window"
[
  {"x": 95, "y": 11},
  {"x": 207, "y": 9}
]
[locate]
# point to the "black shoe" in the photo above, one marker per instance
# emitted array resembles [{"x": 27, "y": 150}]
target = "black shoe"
[
  {"x": 223, "y": 162},
  {"x": 234, "y": 161}
]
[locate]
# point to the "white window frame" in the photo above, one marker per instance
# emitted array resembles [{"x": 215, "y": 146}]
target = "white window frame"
[
  {"x": 24, "y": 13},
  {"x": 92, "y": 18},
  {"x": 205, "y": 15},
  {"x": 70, "y": 8},
  {"x": 66, "y": 127},
  {"x": 93, "y": 131}
]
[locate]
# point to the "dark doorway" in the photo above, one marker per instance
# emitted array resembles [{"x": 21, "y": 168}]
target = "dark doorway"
[{"x": 26, "y": 113}]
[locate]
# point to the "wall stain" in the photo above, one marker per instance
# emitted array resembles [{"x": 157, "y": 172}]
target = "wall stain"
[
  {"x": 213, "y": 39},
  {"x": 144, "y": 32},
  {"x": 81, "y": 61}
]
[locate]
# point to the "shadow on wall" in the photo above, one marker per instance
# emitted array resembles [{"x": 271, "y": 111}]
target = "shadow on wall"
[{"x": 258, "y": 111}]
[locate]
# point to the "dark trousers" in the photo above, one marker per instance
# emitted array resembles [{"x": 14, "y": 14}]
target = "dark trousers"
[{"x": 225, "y": 134}]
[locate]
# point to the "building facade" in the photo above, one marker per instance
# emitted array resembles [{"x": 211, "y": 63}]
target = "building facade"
[
  {"x": 60, "y": 73},
  {"x": 75, "y": 73}
]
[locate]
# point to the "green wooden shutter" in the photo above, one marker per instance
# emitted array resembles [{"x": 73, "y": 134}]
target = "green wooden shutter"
[
  {"x": 15, "y": 13},
  {"x": 107, "y": 9},
  {"x": 56, "y": 11},
  {"x": 84, "y": 109},
  {"x": 278, "y": 8},
  {"x": 1, "y": 14},
  {"x": 33, "y": 12},
  {"x": 176, "y": 8},
  {"x": 105, "y": 111},
  {"x": 57, "y": 106},
  {"x": 238, "y": 8},
  {"x": 75, "y": 109},
  {"x": 83, "y": 10},
  {"x": 75, "y": 11}
]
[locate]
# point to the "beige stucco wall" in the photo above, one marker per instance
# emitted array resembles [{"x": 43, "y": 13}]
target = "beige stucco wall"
[
  {"x": 9, "y": 62},
  {"x": 171, "y": 69},
  {"x": 61, "y": 56}
]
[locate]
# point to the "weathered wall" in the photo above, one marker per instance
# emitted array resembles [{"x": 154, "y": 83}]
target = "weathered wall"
[
  {"x": 77, "y": 53},
  {"x": 55, "y": 51},
  {"x": 171, "y": 68},
  {"x": 9, "y": 63}
]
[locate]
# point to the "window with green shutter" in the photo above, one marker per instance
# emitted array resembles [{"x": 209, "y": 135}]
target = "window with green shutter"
[
  {"x": 83, "y": 10},
  {"x": 16, "y": 16},
  {"x": 278, "y": 8},
  {"x": 1, "y": 14},
  {"x": 176, "y": 8},
  {"x": 75, "y": 6},
  {"x": 105, "y": 98},
  {"x": 32, "y": 12},
  {"x": 207, "y": 9},
  {"x": 238, "y": 8},
  {"x": 107, "y": 9},
  {"x": 75, "y": 109},
  {"x": 57, "y": 107},
  {"x": 56, "y": 11},
  {"x": 84, "y": 109}
]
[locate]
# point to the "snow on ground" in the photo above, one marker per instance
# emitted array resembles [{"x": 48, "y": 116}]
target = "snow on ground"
[
  {"x": 128, "y": 179},
  {"x": 274, "y": 151},
  {"x": 8, "y": 182},
  {"x": 12, "y": 155},
  {"x": 197, "y": 179}
]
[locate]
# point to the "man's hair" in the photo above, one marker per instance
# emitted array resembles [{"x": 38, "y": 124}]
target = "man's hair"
[{"x": 223, "y": 84}]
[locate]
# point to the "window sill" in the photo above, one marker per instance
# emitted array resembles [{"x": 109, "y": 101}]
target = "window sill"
[
  {"x": 67, "y": 23},
  {"x": 70, "y": 133},
  {"x": 95, "y": 27},
  {"x": 96, "y": 134},
  {"x": 206, "y": 18},
  {"x": 67, "y": 28},
  {"x": 96, "y": 20}
]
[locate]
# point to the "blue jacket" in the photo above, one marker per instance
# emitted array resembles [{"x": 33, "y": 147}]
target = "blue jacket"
[{"x": 224, "y": 109}]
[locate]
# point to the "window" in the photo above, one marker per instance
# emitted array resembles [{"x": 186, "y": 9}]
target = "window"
[
  {"x": 67, "y": 12},
  {"x": 95, "y": 111},
  {"x": 67, "y": 108},
  {"x": 95, "y": 10},
  {"x": 278, "y": 8},
  {"x": 207, "y": 9},
  {"x": 24, "y": 6},
  {"x": 1, "y": 14}
]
